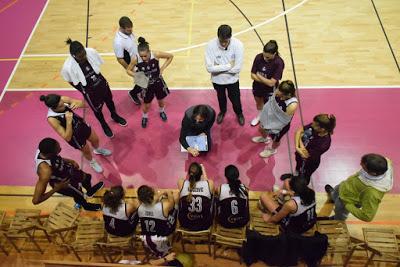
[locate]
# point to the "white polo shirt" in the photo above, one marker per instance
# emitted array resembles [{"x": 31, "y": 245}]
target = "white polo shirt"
[
  {"x": 218, "y": 61},
  {"x": 124, "y": 42}
]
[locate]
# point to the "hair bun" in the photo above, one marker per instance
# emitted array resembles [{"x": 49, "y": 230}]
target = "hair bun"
[
  {"x": 42, "y": 98},
  {"x": 141, "y": 40},
  {"x": 68, "y": 41}
]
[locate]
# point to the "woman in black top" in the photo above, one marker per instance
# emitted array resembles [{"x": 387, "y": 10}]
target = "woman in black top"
[{"x": 197, "y": 120}]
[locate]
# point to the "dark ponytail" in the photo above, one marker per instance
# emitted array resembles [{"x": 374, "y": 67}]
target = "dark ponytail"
[
  {"x": 287, "y": 88},
  {"x": 75, "y": 47},
  {"x": 143, "y": 45},
  {"x": 51, "y": 100},
  {"x": 325, "y": 121},
  {"x": 112, "y": 198},
  {"x": 232, "y": 175},
  {"x": 195, "y": 173},
  {"x": 299, "y": 186}
]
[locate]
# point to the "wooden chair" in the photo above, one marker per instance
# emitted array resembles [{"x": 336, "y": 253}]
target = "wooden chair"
[
  {"x": 340, "y": 242},
  {"x": 195, "y": 238},
  {"x": 225, "y": 238},
  {"x": 88, "y": 234},
  {"x": 384, "y": 244},
  {"x": 2, "y": 240},
  {"x": 258, "y": 224},
  {"x": 115, "y": 247},
  {"x": 20, "y": 222},
  {"x": 58, "y": 224}
]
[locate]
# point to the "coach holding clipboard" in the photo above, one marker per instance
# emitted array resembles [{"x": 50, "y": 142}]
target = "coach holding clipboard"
[{"x": 197, "y": 121}]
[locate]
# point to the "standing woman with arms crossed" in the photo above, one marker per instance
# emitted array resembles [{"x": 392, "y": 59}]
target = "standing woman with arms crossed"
[
  {"x": 266, "y": 72},
  {"x": 72, "y": 128},
  {"x": 148, "y": 63}
]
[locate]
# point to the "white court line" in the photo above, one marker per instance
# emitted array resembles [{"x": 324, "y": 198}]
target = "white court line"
[
  {"x": 210, "y": 88},
  {"x": 23, "y": 51},
  {"x": 197, "y": 45}
]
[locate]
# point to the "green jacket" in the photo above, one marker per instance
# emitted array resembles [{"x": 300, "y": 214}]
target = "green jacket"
[{"x": 355, "y": 193}]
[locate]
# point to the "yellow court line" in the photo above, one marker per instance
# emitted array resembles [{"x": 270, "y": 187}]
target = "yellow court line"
[
  {"x": 190, "y": 27},
  {"x": 8, "y": 59},
  {"x": 8, "y": 5}
]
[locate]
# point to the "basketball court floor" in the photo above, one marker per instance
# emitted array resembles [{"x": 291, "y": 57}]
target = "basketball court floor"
[{"x": 343, "y": 55}]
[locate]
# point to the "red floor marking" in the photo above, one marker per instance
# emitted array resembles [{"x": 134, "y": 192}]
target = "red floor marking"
[{"x": 8, "y": 5}]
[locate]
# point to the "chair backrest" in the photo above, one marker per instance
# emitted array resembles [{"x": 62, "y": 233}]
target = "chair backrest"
[
  {"x": 338, "y": 234},
  {"x": 2, "y": 216},
  {"x": 89, "y": 231},
  {"x": 259, "y": 225},
  {"x": 62, "y": 216},
  {"x": 20, "y": 219},
  {"x": 230, "y": 236},
  {"x": 385, "y": 241}
]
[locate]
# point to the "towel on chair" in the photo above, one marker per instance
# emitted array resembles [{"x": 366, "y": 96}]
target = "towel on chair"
[{"x": 72, "y": 72}]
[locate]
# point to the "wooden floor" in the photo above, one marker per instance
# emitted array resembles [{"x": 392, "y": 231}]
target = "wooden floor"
[{"x": 334, "y": 43}]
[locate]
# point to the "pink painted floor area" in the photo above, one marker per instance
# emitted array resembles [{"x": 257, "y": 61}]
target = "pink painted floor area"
[
  {"x": 364, "y": 124},
  {"x": 17, "y": 19}
]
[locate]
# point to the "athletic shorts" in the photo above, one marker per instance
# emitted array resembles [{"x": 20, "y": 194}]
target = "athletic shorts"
[
  {"x": 80, "y": 135},
  {"x": 158, "y": 89}
]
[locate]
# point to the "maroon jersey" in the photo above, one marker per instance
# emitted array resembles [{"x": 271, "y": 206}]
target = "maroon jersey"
[
  {"x": 153, "y": 221},
  {"x": 195, "y": 214},
  {"x": 268, "y": 69},
  {"x": 150, "y": 68},
  {"x": 232, "y": 211},
  {"x": 316, "y": 145},
  {"x": 119, "y": 223},
  {"x": 302, "y": 220}
]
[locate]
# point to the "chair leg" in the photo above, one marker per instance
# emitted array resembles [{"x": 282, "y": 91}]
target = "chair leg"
[
  {"x": 76, "y": 254},
  {"x": 32, "y": 238},
  {"x": 215, "y": 251},
  {"x": 4, "y": 250},
  {"x": 13, "y": 244},
  {"x": 370, "y": 259}
]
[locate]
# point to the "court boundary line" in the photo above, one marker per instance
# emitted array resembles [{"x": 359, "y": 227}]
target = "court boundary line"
[
  {"x": 23, "y": 50},
  {"x": 182, "y": 88},
  {"x": 197, "y": 45}
]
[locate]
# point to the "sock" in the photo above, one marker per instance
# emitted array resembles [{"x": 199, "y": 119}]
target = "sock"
[
  {"x": 145, "y": 115},
  {"x": 162, "y": 109}
]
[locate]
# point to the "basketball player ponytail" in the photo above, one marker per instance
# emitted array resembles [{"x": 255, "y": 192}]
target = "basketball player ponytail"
[
  {"x": 51, "y": 100},
  {"x": 299, "y": 186},
  {"x": 326, "y": 121},
  {"x": 195, "y": 173},
  {"x": 271, "y": 47},
  {"x": 74, "y": 47},
  {"x": 143, "y": 45},
  {"x": 235, "y": 185},
  {"x": 112, "y": 198}
]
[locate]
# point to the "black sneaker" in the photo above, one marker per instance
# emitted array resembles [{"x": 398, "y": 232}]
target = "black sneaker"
[
  {"x": 240, "y": 119},
  {"x": 121, "y": 121},
  {"x": 163, "y": 116},
  {"x": 144, "y": 122},
  {"x": 134, "y": 98},
  {"x": 94, "y": 189},
  {"x": 286, "y": 176},
  {"x": 220, "y": 117},
  {"x": 107, "y": 131}
]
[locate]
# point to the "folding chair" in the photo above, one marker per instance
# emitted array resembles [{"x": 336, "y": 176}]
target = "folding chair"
[
  {"x": 115, "y": 247},
  {"x": 20, "y": 222},
  {"x": 2, "y": 240},
  {"x": 384, "y": 244},
  {"x": 258, "y": 224},
  {"x": 225, "y": 238},
  {"x": 195, "y": 238},
  {"x": 88, "y": 234},
  {"x": 340, "y": 242},
  {"x": 58, "y": 223}
]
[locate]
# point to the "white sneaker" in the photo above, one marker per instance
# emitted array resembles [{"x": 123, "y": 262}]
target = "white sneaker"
[
  {"x": 255, "y": 121},
  {"x": 96, "y": 166},
  {"x": 260, "y": 139},
  {"x": 267, "y": 152},
  {"x": 102, "y": 151}
]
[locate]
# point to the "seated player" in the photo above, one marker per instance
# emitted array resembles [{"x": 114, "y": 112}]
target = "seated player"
[
  {"x": 296, "y": 215},
  {"x": 157, "y": 213},
  {"x": 64, "y": 176},
  {"x": 195, "y": 199},
  {"x": 233, "y": 200},
  {"x": 120, "y": 216}
]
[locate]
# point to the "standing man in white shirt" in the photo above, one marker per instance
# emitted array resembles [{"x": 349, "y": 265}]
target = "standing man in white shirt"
[
  {"x": 125, "y": 48},
  {"x": 224, "y": 59}
]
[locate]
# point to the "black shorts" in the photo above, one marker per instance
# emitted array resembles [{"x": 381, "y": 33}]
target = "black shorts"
[
  {"x": 277, "y": 137},
  {"x": 158, "y": 89},
  {"x": 263, "y": 92},
  {"x": 80, "y": 136}
]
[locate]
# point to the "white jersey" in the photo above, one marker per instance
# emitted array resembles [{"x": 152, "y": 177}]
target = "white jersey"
[
  {"x": 118, "y": 223},
  {"x": 232, "y": 211},
  {"x": 153, "y": 221},
  {"x": 123, "y": 42},
  {"x": 39, "y": 160},
  {"x": 200, "y": 189},
  {"x": 227, "y": 193}
]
